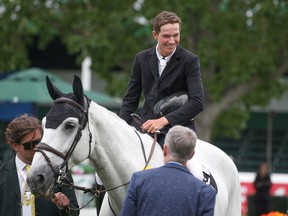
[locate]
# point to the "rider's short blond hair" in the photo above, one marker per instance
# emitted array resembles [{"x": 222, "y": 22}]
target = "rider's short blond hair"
[{"x": 165, "y": 17}]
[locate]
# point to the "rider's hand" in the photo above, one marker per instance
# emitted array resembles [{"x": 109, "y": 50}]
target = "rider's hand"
[
  {"x": 154, "y": 125},
  {"x": 60, "y": 200}
]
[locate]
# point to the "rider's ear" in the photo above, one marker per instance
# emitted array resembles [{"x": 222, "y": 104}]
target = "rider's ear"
[
  {"x": 53, "y": 90},
  {"x": 78, "y": 88}
]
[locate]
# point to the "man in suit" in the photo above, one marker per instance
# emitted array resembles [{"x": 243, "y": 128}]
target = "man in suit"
[
  {"x": 23, "y": 134},
  {"x": 159, "y": 78},
  {"x": 170, "y": 190}
]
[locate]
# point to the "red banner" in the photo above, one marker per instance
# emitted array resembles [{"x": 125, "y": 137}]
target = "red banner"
[{"x": 279, "y": 187}]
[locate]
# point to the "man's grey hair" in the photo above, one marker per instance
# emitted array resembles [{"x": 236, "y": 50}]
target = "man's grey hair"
[{"x": 180, "y": 142}]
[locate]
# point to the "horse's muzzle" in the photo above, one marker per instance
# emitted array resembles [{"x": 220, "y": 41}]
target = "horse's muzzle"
[{"x": 41, "y": 181}]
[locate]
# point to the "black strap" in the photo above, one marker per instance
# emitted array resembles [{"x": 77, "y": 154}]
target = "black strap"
[{"x": 111, "y": 207}]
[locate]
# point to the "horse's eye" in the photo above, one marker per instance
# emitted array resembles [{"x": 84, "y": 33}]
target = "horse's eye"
[{"x": 70, "y": 125}]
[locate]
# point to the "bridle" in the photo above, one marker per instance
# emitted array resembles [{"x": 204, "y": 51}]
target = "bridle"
[{"x": 60, "y": 174}]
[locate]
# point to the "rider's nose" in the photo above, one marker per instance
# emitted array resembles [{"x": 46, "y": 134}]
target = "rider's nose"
[{"x": 171, "y": 40}]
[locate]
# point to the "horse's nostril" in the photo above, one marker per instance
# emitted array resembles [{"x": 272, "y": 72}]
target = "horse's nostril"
[{"x": 40, "y": 179}]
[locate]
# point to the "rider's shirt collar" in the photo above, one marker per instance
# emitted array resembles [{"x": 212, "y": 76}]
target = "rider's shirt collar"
[{"x": 159, "y": 56}]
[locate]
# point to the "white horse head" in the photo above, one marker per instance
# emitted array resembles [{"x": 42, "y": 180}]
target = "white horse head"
[{"x": 76, "y": 128}]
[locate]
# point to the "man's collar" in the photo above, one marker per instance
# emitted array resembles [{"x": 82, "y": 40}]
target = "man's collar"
[
  {"x": 19, "y": 164},
  {"x": 175, "y": 162},
  {"x": 167, "y": 58}
]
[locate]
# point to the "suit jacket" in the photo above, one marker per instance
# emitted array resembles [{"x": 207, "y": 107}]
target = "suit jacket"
[
  {"x": 170, "y": 190},
  {"x": 182, "y": 73},
  {"x": 10, "y": 195}
]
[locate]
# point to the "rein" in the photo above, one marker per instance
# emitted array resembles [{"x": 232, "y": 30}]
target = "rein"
[
  {"x": 140, "y": 121},
  {"x": 151, "y": 150},
  {"x": 96, "y": 193}
]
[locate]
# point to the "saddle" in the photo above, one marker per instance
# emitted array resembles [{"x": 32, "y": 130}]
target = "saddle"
[{"x": 209, "y": 179}]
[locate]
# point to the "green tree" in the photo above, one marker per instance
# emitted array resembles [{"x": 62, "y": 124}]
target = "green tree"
[{"x": 242, "y": 45}]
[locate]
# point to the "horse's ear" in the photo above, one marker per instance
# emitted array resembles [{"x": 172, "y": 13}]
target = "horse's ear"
[
  {"x": 52, "y": 89},
  {"x": 78, "y": 88}
]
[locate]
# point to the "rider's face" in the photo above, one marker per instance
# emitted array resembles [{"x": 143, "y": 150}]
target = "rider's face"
[
  {"x": 168, "y": 38},
  {"x": 21, "y": 148}
]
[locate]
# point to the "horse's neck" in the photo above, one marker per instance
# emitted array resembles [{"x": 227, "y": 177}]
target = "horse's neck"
[{"x": 117, "y": 149}]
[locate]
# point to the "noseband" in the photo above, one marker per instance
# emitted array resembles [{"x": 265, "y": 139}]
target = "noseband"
[{"x": 42, "y": 147}]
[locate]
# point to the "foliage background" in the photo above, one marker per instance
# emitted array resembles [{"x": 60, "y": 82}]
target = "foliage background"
[{"x": 242, "y": 45}]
